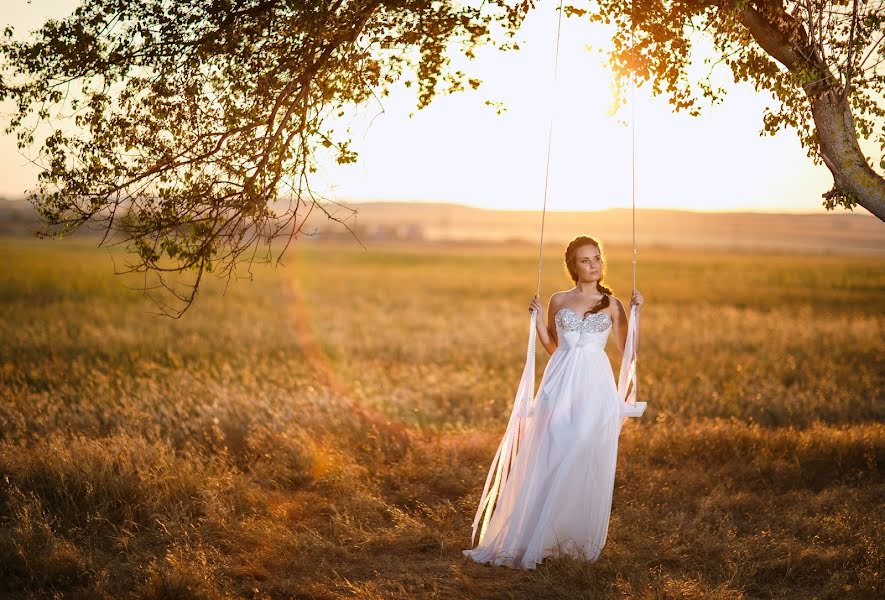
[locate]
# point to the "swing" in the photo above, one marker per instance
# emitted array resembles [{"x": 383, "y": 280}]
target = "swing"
[{"x": 525, "y": 394}]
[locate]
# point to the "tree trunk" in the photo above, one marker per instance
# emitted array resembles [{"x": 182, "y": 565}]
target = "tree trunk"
[
  {"x": 840, "y": 151},
  {"x": 785, "y": 39}
]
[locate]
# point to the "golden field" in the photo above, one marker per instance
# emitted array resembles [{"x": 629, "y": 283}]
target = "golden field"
[{"x": 324, "y": 431}]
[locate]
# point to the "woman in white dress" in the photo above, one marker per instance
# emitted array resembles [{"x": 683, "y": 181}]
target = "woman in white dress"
[{"x": 557, "y": 498}]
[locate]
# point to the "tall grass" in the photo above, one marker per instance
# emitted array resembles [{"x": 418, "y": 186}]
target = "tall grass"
[{"x": 324, "y": 432}]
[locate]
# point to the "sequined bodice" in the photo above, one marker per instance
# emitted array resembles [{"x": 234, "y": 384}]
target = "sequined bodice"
[{"x": 575, "y": 332}]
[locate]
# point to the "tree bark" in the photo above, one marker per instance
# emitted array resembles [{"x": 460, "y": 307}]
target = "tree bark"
[
  {"x": 841, "y": 153},
  {"x": 781, "y": 36}
]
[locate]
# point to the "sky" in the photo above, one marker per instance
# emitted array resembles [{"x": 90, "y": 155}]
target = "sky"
[{"x": 459, "y": 150}]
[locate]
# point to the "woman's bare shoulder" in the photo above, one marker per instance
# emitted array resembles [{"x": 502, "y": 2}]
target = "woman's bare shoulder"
[
  {"x": 558, "y": 298},
  {"x": 616, "y": 306}
]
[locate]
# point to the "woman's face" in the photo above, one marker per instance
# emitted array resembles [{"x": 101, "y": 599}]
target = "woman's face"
[{"x": 589, "y": 264}]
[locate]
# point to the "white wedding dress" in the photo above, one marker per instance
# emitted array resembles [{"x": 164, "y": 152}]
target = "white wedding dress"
[{"x": 557, "y": 497}]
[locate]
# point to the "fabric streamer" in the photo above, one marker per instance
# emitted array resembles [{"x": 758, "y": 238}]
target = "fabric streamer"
[
  {"x": 507, "y": 449},
  {"x": 627, "y": 378}
]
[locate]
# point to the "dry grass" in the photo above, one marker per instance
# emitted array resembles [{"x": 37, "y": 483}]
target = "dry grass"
[{"x": 324, "y": 432}]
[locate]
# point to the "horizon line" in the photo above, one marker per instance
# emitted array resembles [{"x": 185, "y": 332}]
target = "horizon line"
[
  {"x": 456, "y": 204},
  {"x": 719, "y": 211}
]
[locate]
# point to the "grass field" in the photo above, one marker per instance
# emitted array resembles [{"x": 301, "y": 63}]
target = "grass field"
[{"x": 325, "y": 430}]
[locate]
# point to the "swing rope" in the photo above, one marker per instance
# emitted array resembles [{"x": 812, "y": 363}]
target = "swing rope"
[
  {"x": 627, "y": 381},
  {"x": 552, "y": 111},
  {"x": 633, "y": 165}
]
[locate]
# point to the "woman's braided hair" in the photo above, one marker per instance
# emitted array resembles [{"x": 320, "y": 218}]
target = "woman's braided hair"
[{"x": 572, "y": 268}]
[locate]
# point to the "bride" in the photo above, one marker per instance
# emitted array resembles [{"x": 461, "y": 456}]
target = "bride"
[{"x": 557, "y": 498}]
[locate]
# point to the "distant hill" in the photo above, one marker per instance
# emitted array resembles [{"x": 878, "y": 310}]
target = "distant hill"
[
  {"x": 17, "y": 217},
  {"x": 837, "y": 233}
]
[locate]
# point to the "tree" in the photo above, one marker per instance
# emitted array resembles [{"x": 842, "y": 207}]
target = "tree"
[
  {"x": 189, "y": 130},
  {"x": 823, "y": 60}
]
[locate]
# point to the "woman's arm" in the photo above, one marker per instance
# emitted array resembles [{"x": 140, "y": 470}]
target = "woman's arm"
[
  {"x": 638, "y": 301},
  {"x": 546, "y": 334},
  {"x": 621, "y": 321}
]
